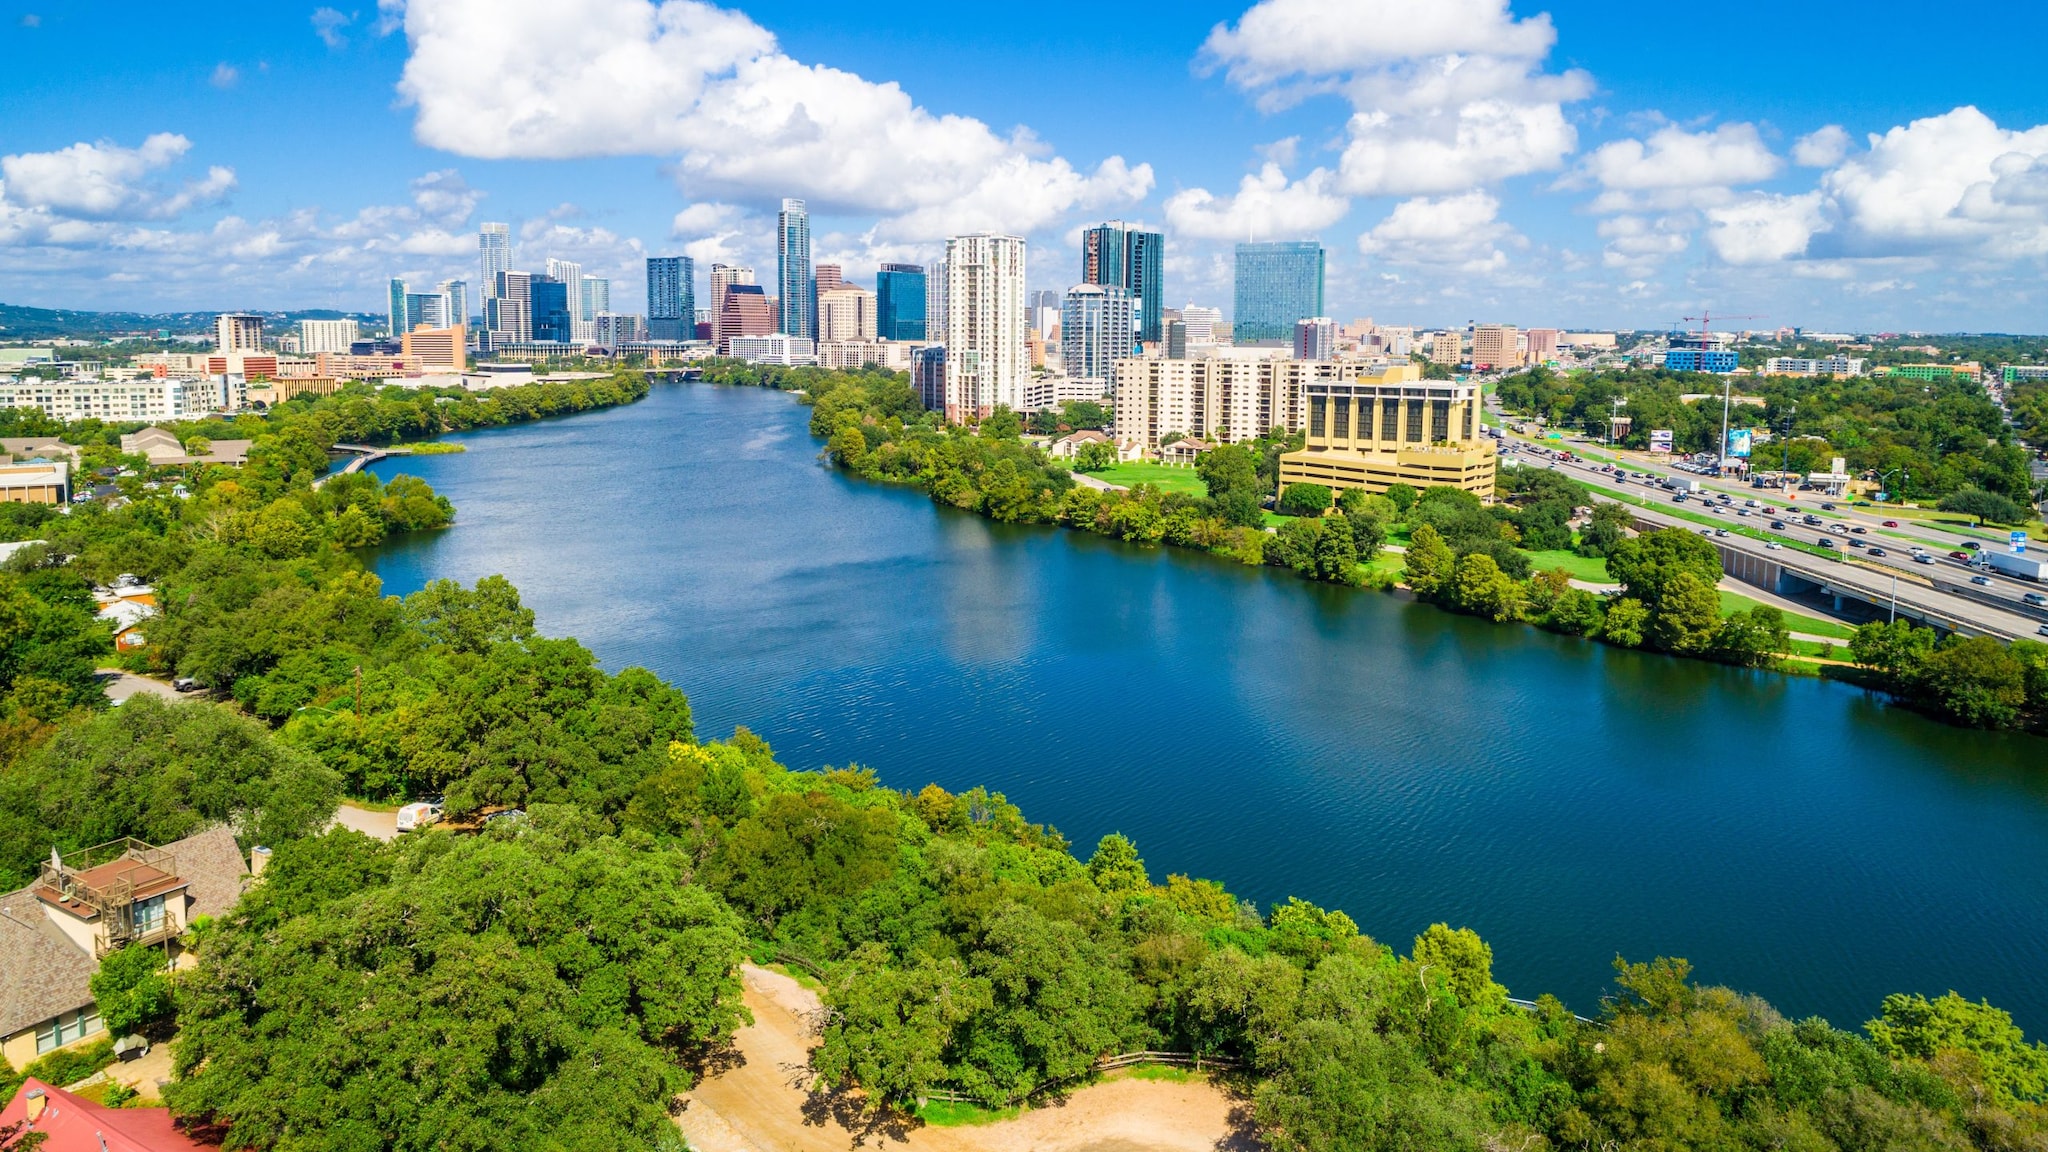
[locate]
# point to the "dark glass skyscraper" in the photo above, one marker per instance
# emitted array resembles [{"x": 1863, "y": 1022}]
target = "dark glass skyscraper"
[
  {"x": 1278, "y": 283},
  {"x": 794, "y": 279},
  {"x": 1119, "y": 256},
  {"x": 551, "y": 316},
  {"x": 671, "y": 297},
  {"x": 899, "y": 302}
]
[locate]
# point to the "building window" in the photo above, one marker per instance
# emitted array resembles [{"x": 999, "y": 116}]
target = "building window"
[
  {"x": 1414, "y": 422},
  {"x": 149, "y": 915},
  {"x": 1341, "y": 426},
  {"x": 1439, "y": 420},
  {"x": 1468, "y": 420},
  {"x": 1390, "y": 420},
  {"x": 1315, "y": 415},
  {"x": 68, "y": 1028}
]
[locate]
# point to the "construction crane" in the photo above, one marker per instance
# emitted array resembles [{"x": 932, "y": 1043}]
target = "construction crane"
[{"x": 1706, "y": 318}]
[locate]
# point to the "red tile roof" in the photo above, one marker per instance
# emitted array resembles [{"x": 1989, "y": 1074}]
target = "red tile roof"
[{"x": 71, "y": 1124}]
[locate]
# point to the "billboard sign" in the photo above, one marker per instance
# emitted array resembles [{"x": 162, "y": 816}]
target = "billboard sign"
[
  {"x": 1660, "y": 439},
  {"x": 1739, "y": 440},
  {"x": 2019, "y": 541}
]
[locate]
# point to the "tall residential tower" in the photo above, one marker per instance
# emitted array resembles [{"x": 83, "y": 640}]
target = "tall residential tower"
[
  {"x": 794, "y": 280},
  {"x": 1134, "y": 260},
  {"x": 1279, "y": 283},
  {"x": 988, "y": 360},
  {"x": 672, "y": 297}
]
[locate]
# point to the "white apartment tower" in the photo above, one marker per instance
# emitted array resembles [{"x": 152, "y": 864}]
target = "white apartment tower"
[
  {"x": 494, "y": 252},
  {"x": 988, "y": 358},
  {"x": 238, "y": 332},
  {"x": 317, "y": 336}
]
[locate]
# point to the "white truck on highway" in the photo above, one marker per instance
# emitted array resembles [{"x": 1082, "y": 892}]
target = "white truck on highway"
[{"x": 2024, "y": 565}]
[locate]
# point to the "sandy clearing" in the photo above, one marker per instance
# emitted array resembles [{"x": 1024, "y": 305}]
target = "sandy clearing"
[
  {"x": 381, "y": 825},
  {"x": 757, "y": 1102}
]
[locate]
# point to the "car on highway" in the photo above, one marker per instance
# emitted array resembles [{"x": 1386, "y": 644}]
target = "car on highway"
[
  {"x": 1779, "y": 525},
  {"x": 1773, "y": 545},
  {"x": 1972, "y": 545},
  {"x": 2042, "y": 630},
  {"x": 1751, "y": 504},
  {"x": 2036, "y": 599},
  {"x": 1923, "y": 557},
  {"x": 1825, "y": 542},
  {"x": 1859, "y": 530},
  {"x": 1620, "y": 479},
  {"x": 1827, "y": 507},
  {"x": 1963, "y": 556},
  {"x": 1853, "y": 543},
  {"x": 1891, "y": 523},
  {"x": 1984, "y": 580},
  {"x": 1742, "y": 511},
  {"x": 1720, "y": 531}
]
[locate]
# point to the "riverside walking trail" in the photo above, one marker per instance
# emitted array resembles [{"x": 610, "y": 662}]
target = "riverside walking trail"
[{"x": 756, "y": 1099}]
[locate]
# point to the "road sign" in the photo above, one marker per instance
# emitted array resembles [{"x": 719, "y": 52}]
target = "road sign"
[
  {"x": 1660, "y": 439},
  {"x": 2019, "y": 541}
]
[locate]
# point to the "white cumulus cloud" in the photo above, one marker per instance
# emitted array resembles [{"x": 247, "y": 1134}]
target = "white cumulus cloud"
[
  {"x": 1954, "y": 183},
  {"x": 1765, "y": 228},
  {"x": 1463, "y": 232},
  {"x": 708, "y": 85},
  {"x": 1446, "y": 96},
  {"x": 104, "y": 181},
  {"x": 1267, "y": 206},
  {"x": 1822, "y": 147},
  {"x": 1673, "y": 167}
]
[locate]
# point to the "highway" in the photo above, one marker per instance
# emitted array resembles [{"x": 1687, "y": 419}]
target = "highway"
[{"x": 1941, "y": 590}]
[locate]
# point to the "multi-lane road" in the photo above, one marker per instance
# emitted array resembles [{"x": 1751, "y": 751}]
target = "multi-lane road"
[{"x": 1941, "y": 587}]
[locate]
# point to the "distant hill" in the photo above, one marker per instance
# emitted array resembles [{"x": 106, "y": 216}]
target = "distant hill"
[{"x": 19, "y": 322}]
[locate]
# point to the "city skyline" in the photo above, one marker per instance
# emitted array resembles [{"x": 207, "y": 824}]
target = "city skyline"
[{"x": 1609, "y": 191}]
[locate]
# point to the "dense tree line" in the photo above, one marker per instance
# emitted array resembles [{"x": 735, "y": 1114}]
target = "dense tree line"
[
  {"x": 1946, "y": 435},
  {"x": 1975, "y": 681}
]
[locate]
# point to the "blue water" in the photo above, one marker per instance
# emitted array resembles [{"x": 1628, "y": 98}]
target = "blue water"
[{"x": 1793, "y": 838}]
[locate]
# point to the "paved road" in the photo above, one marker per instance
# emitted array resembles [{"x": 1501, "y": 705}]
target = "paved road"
[
  {"x": 377, "y": 825},
  {"x": 121, "y": 686},
  {"x": 1876, "y": 578}
]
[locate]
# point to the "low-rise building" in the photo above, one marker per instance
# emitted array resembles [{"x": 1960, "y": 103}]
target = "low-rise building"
[
  {"x": 774, "y": 348},
  {"x": 1967, "y": 370},
  {"x": 114, "y": 401},
  {"x": 162, "y": 449},
  {"x": 1224, "y": 395},
  {"x": 1054, "y": 390},
  {"x": 1814, "y": 366},
  {"x": 895, "y": 355},
  {"x": 36, "y": 482},
  {"x": 1372, "y": 431},
  {"x": 377, "y": 366},
  {"x": 86, "y": 904}
]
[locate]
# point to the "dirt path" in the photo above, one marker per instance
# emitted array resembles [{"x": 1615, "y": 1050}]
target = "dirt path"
[{"x": 758, "y": 1103}]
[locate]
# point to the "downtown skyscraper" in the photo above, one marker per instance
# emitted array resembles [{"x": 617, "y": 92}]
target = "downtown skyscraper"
[
  {"x": 672, "y": 298},
  {"x": 794, "y": 279},
  {"x": 988, "y": 356},
  {"x": 1278, "y": 282},
  {"x": 1120, "y": 256}
]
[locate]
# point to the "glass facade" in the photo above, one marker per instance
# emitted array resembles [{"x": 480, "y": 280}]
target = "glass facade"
[
  {"x": 794, "y": 280},
  {"x": 1278, "y": 283},
  {"x": 551, "y": 316},
  {"x": 1135, "y": 261},
  {"x": 899, "y": 303}
]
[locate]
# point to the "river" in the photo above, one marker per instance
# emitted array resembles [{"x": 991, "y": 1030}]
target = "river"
[{"x": 1570, "y": 802}]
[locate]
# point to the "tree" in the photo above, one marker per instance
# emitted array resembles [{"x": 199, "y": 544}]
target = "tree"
[
  {"x": 888, "y": 1029},
  {"x": 848, "y": 447},
  {"x": 1095, "y": 456},
  {"x": 1403, "y": 496},
  {"x": 1686, "y": 614},
  {"x": 1002, "y": 424},
  {"x": 1914, "y": 1027},
  {"x": 1896, "y": 650},
  {"x": 1608, "y": 527},
  {"x": 473, "y": 621},
  {"x": 1975, "y": 681},
  {"x": 800, "y": 847},
  {"x": 1430, "y": 563},
  {"x": 1753, "y": 638},
  {"x": 1482, "y": 589},
  {"x": 1468, "y": 961},
  {"x": 1228, "y": 469},
  {"x": 1987, "y": 507},
  {"x": 132, "y": 990},
  {"x": 1645, "y": 565},
  {"x": 1576, "y": 612},
  {"x": 1336, "y": 556},
  {"x": 1115, "y": 867},
  {"x": 1293, "y": 545},
  {"x": 1624, "y": 622},
  {"x": 1305, "y": 500}
]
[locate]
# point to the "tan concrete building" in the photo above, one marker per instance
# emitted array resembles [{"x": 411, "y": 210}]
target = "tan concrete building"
[
  {"x": 846, "y": 312},
  {"x": 43, "y": 482},
  {"x": 1495, "y": 346},
  {"x": 1373, "y": 431},
  {"x": 1446, "y": 348},
  {"x": 1227, "y": 395},
  {"x": 438, "y": 349}
]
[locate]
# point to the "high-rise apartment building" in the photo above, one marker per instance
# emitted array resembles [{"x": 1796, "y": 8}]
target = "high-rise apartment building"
[
  {"x": 1278, "y": 282},
  {"x": 935, "y": 302},
  {"x": 316, "y": 336},
  {"x": 1494, "y": 346},
  {"x": 1134, "y": 260},
  {"x": 1096, "y": 332},
  {"x": 724, "y": 276},
  {"x": 494, "y": 253},
  {"x": 794, "y": 283},
  {"x": 569, "y": 274},
  {"x": 1222, "y": 395},
  {"x": 829, "y": 277},
  {"x": 508, "y": 313},
  {"x": 672, "y": 296},
  {"x": 456, "y": 292},
  {"x": 1372, "y": 429},
  {"x": 846, "y": 313},
  {"x": 900, "y": 302},
  {"x": 987, "y": 358},
  {"x": 397, "y": 312},
  {"x": 593, "y": 297},
  {"x": 552, "y": 318},
  {"x": 429, "y": 308},
  {"x": 1446, "y": 348},
  {"x": 743, "y": 311},
  {"x": 238, "y": 332},
  {"x": 1315, "y": 338}
]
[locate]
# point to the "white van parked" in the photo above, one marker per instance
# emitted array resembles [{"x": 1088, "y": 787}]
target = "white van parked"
[{"x": 413, "y": 817}]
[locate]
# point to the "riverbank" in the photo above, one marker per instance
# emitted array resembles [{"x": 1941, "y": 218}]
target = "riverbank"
[{"x": 872, "y": 426}]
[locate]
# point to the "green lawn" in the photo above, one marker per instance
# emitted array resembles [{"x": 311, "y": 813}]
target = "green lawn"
[
  {"x": 1733, "y": 602},
  {"x": 1165, "y": 476},
  {"x": 1589, "y": 568},
  {"x": 946, "y": 1114}
]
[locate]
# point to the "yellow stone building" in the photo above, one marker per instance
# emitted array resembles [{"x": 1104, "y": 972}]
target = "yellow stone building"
[{"x": 1371, "y": 432}]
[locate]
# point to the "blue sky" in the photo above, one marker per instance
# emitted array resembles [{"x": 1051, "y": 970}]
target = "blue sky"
[{"x": 1580, "y": 164}]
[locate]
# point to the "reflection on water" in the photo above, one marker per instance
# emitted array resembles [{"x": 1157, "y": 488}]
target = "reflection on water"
[{"x": 1569, "y": 801}]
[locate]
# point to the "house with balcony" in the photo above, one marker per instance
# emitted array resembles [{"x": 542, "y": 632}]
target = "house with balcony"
[{"x": 89, "y": 903}]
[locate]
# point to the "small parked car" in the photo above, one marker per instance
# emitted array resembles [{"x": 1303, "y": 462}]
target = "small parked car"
[{"x": 185, "y": 684}]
